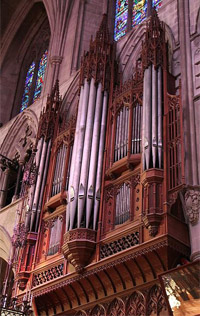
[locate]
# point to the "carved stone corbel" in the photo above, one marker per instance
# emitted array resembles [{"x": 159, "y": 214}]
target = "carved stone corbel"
[{"x": 192, "y": 204}]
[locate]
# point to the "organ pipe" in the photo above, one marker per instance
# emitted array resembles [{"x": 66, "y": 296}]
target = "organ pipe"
[
  {"x": 160, "y": 143},
  {"x": 94, "y": 152},
  {"x": 78, "y": 156},
  {"x": 148, "y": 118},
  {"x": 100, "y": 159},
  {"x": 74, "y": 154},
  {"x": 43, "y": 185},
  {"x": 38, "y": 183},
  {"x": 154, "y": 116},
  {"x": 86, "y": 151}
]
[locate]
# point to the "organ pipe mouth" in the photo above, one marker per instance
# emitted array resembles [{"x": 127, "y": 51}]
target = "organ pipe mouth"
[
  {"x": 81, "y": 191},
  {"x": 72, "y": 194},
  {"x": 91, "y": 192}
]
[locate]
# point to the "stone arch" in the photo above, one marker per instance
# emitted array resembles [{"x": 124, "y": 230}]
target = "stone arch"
[
  {"x": 98, "y": 310},
  {"x": 116, "y": 308},
  {"x": 23, "y": 38},
  {"x": 5, "y": 243},
  {"x": 20, "y": 138},
  {"x": 136, "y": 304},
  {"x": 70, "y": 98}
]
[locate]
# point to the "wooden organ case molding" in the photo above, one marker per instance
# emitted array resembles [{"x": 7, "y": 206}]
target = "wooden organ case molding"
[
  {"x": 159, "y": 185},
  {"x": 97, "y": 63},
  {"x": 47, "y": 129}
]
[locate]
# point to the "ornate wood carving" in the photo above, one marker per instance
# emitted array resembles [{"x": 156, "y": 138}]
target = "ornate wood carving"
[
  {"x": 98, "y": 310},
  {"x": 136, "y": 305},
  {"x": 153, "y": 48},
  {"x": 152, "y": 199},
  {"x": 155, "y": 301},
  {"x": 116, "y": 308},
  {"x": 48, "y": 275},
  {"x": 49, "y": 117},
  {"x": 97, "y": 63},
  {"x": 121, "y": 244},
  {"x": 78, "y": 246}
]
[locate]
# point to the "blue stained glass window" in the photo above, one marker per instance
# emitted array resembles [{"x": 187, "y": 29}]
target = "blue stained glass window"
[
  {"x": 27, "y": 87},
  {"x": 40, "y": 75},
  {"x": 156, "y": 3},
  {"x": 139, "y": 11},
  {"x": 121, "y": 17}
]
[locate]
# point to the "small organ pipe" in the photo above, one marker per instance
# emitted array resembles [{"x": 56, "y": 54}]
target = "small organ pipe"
[
  {"x": 94, "y": 152},
  {"x": 38, "y": 183},
  {"x": 154, "y": 116},
  {"x": 74, "y": 155},
  {"x": 123, "y": 131},
  {"x": 139, "y": 129},
  {"x": 117, "y": 139},
  {"x": 100, "y": 159},
  {"x": 144, "y": 118},
  {"x": 160, "y": 144},
  {"x": 147, "y": 145},
  {"x": 78, "y": 158},
  {"x": 87, "y": 149},
  {"x": 120, "y": 134}
]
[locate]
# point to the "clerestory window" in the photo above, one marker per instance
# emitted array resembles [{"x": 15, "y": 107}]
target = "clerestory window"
[
  {"x": 130, "y": 13},
  {"x": 34, "y": 81}
]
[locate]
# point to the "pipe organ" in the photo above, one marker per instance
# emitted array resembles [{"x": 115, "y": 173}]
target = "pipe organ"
[
  {"x": 114, "y": 172},
  {"x": 59, "y": 170},
  {"x": 122, "y": 213}
]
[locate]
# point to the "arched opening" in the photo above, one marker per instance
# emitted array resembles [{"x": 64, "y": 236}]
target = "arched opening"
[{"x": 29, "y": 43}]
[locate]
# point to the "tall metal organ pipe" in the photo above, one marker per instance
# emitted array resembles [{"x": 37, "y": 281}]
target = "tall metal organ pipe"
[
  {"x": 94, "y": 152},
  {"x": 152, "y": 118},
  {"x": 43, "y": 185},
  {"x": 100, "y": 160},
  {"x": 37, "y": 161},
  {"x": 74, "y": 155},
  {"x": 38, "y": 183},
  {"x": 78, "y": 157},
  {"x": 86, "y": 151}
]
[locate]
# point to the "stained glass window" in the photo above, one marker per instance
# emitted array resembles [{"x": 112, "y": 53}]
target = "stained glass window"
[
  {"x": 139, "y": 11},
  {"x": 121, "y": 17},
  {"x": 27, "y": 87},
  {"x": 40, "y": 75},
  {"x": 156, "y": 3}
]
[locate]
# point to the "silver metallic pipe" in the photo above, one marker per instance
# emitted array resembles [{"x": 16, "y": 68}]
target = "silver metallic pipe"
[
  {"x": 120, "y": 134},
  {"x": 154, "y": 137},
  {"x": 160, "y": 142},
  {"x": 100, "y": 159},
  {"x": 71, "y": 174},
  {"x": 117, "y": 139},
  {"x": 38, "y": 184},
  {"x": 68, "y": 167},
  {"x": 148, "y": 117},
  {"x": 79, "y": 154},
  {"x": 37, "y": 161},
  {"x": 86, "y": 150},
  {"x": 139, "y": 129},
  {"x": 123, "y": 131},
  {"x": 94, "y": 154},
  {"x": 144, "y": 119},
  {"x": 43, "y": 185}
]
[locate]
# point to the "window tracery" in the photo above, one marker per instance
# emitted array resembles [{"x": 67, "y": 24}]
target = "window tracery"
[
  {"x": 27, "y": 87},
  {"x": 139, "y": 8}
]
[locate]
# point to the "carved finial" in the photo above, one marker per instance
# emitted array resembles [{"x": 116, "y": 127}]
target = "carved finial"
[
  {"x": 96, "y": 63},
  {"x": 153, "y": 47}
]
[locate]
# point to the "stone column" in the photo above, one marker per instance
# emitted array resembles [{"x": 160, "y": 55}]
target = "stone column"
[
  {"x": 192, "y": 209},
  {"x": 55, "y": 64}
]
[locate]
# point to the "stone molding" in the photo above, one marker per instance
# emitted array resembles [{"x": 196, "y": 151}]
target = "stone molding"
[{"x": 192, "y": 204}]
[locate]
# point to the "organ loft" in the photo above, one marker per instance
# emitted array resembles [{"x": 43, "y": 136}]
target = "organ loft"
[{"x": 100, "y": 158}]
